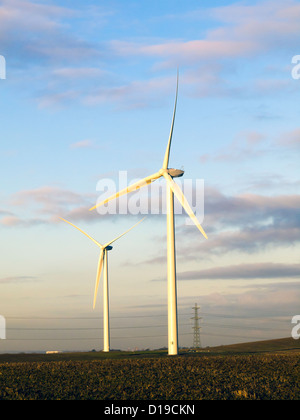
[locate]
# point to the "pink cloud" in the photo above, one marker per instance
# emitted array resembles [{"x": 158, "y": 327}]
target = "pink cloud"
[
  {"x": 189, "y": 51},
  {"x": 243, "y": 30},
  {"x": 83, "y": 144},
  {"x": 75, "y": 73},
  {"x": 265, "y": 22},
  {"x": 290, "y": 139},
  {"x": 29, "y": 15},
  {"x": 133, "y": 95},
  {"x": 11, "y": 221},
  {"x": 49, "y": 201},
  {"x": 45, "y": 195}
]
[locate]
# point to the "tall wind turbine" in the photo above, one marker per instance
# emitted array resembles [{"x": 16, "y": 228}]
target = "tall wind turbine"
[
  {"x": 172, "y": 189},
  {"x": 103, "y": 262}
]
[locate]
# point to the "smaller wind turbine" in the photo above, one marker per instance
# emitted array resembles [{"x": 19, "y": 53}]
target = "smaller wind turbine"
[{"x": 103, "y": 262}]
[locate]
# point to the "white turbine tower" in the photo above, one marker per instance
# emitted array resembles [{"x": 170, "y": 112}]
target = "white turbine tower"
[
  {"x": 103, "y": 262},
  {"x": 172, "y": 189}
]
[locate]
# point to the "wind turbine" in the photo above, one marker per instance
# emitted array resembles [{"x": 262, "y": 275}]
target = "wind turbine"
[
  {"x": 172, "y": 189},
  {"x": 103, "y": 262}
]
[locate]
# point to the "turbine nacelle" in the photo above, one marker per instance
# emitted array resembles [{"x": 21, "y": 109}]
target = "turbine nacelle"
[
  {"x": 175, "y": 173},
  {"x": 108, "y": 248}
]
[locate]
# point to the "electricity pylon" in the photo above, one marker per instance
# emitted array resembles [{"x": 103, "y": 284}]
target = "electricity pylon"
[{"x": 196, "y": 328}]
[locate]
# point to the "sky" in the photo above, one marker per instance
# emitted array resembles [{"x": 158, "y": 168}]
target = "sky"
[{"x": 86, "y": 104}]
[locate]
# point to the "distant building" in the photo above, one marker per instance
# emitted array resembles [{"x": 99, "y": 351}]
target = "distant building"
[{"x": 53, "y": 352}]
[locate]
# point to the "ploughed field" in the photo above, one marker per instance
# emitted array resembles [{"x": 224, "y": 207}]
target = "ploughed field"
[{"x": 211, "y": 377}]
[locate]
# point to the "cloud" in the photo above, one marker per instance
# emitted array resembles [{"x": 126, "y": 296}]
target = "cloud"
[
  {"x": 243, "y": 30},
  {"x": 271, "y": 183},
  {"x": 251, "y": 210},
  {"x": 49, "y": 197},
  {"x": 266, "y": 86},
  {"x": 79, "y": 213},
  {"x": 5, "y": 213},
  {"x": 267, "y": 305},
  {"x": 18, "y": 279},
  {"x": 244, "y": 271},
  {"x": 11, "y": 221},
  {"x": 246, "y": 145},
  {"x": 244, "y": 224},
  {"x": 253, "y": 144},
  {"x": 134, "y": 95},
  {"x": 270, "y": 26},
  {"x": 290, "y": 139},
  {"x": 265, "y": 22},
  {"x": 31, "y": 15},
  {"x": 186, "y": 51},
  {"x": 78, "y": 72},
  {"x": 43, "y": 205},
  {"x": 45, "y": 32},
  {"x": 252, "y": 240},
  {"x": 83, "y": 144},
  {"x": 271, "y": 299},
  {"x": 57, "y": 99},
  {"x": 72, "y": 60}
]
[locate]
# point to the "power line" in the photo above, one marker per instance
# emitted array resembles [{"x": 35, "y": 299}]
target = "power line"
[
  {"x": 208, "y": 324},
  {"x": 238, "y": 327},
  {"x": 86, "y": 329},
  {"x": 232, "y": 327},
  {"x": 127, "y": 337},
  {"x": 148, "y": 316},
  {"x": 205, "y": 325},
  {"x": 85, "y": 318}
]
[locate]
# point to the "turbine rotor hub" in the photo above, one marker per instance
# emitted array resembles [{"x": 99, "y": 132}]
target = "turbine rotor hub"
[{"x": 108, "y": 248}]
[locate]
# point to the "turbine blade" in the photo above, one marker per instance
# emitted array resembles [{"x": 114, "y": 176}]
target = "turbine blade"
[
  {"x": 167, "y": 154},
  {"x": 183, "y": 201},
  {"x": 109, "y": 243},
  {"x": 134, "y": 187},
  {"x": 96, "y": 242},
  {"x": 99, "y": 271}
]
